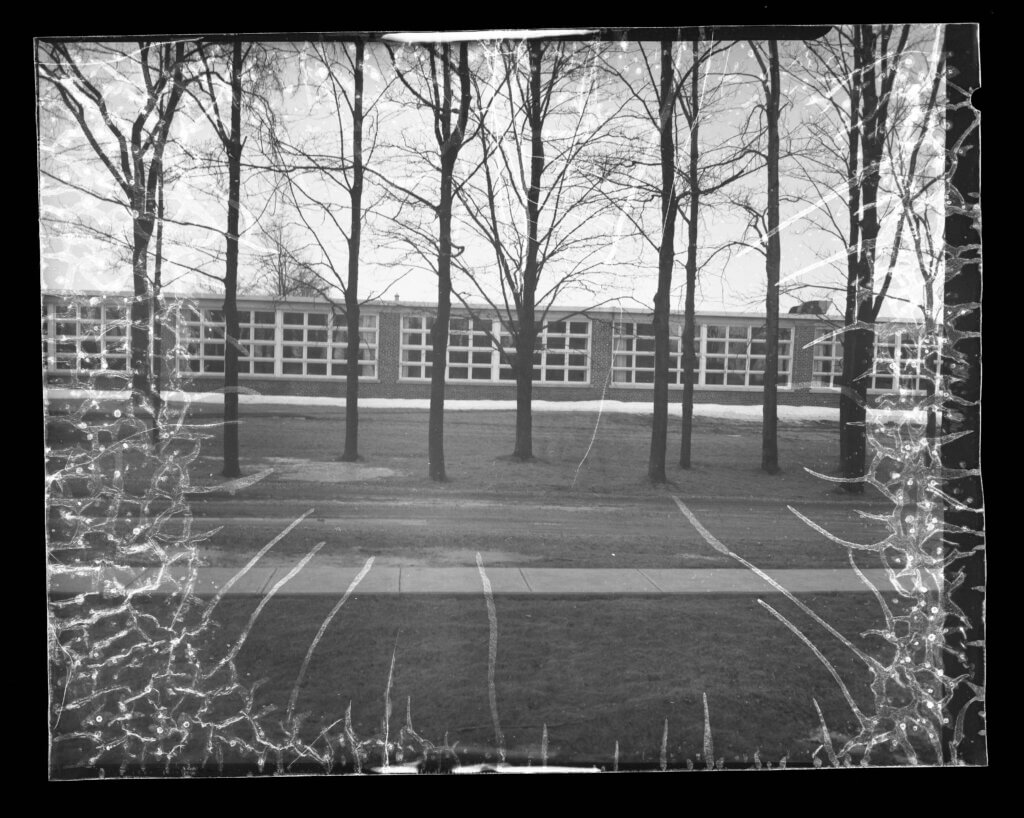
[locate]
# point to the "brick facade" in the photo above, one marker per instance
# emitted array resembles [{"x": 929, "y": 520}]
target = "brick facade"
[{"x": 389, "y": 384}]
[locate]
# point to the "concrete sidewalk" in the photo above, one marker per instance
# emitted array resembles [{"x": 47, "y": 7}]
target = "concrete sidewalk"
[{"x": 466, "y": 580}]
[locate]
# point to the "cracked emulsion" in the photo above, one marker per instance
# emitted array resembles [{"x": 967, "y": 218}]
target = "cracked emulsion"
[{"x": 133, "y": 684}]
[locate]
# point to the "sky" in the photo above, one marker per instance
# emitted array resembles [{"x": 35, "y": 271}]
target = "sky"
[{"x": 76, "y": 192}]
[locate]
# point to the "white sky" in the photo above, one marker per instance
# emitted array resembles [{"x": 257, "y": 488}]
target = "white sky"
[{"x": 628, "y": 270}]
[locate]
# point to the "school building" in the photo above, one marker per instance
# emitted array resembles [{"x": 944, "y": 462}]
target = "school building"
[{"x": 298, "y": 347}]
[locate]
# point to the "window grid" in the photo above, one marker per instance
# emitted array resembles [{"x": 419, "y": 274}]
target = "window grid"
[
  {"x": 899, "y": 363},
  {"x": 633, "y": 353},
  {"x": 562, "y": 355},
  {"x": 201, "y": 340},
  {"x": 471, "y": 351},
  {"x": 897, "y": 353},
  {"x": 367, "y": 346},
  {"x": 87, "y": 337},
  {"x": 288, "y": 343},
  {"x": 827, "y": 364},
  {"x": 416, "y": 349},
  {"x": 728, "y": 354},
  {"x": 734, "y": 355},
  {"x": 257, "y": 330}
]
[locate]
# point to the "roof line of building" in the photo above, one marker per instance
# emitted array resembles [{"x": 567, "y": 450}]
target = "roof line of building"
[{"x": 319, "y": 301}]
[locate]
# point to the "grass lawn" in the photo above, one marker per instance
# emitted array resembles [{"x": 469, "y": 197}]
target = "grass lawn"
[
  {"x": 576, "y": 452},
  {"x": 596, "y": 671}
]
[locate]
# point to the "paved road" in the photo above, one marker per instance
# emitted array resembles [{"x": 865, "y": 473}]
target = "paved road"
[
  {"x": 430, "y": 532},
  {"x": 333, "y": 580},
  {"x": 583, "y": 533}
]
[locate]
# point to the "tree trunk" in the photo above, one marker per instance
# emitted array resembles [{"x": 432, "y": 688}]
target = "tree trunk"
[
  {"x": 852, "y": 256},
  {"x": 231, "y": 330},
  {"x": 531, "y": 271},
  {"x": 769, "y": 436},
  {"x": 142, "y": 230},
  {"x": 526, "y": 343},
  {"x": 158, "y": 345},
  {"x": 689, "y": 316},
  {"x": 666, "y": 256},
  {"x": 450, "y": 141},
  {"x": 351, "y": 453},
  {"x": 872, "y": 144},
  {"x": 440, "y": 330}
]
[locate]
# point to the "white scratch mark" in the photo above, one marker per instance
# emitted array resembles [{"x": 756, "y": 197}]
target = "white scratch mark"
[
  {"x": 492, "y": 656},
  {"x": 320, "y": 633},
  {"x": 263, "y": 603},
  {"x": 259, "y": 554}
]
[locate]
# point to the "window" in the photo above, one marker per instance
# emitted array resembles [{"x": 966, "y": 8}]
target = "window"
[
  {"x": 470, "y": 349},
  {"x": 367, "y": 346},
  {"x": 900, "y": 362},
  {"x": 562, "y": 355},
  {"x": 201, "y": 339},
  {"x": 304, "y": 343},
  {"x": 633, "y": 353},
  {"x": 734, "y": 355},
  {"x": 416, "y": 351},
  {"x": 257, "y": 331},
  {"x": 827, "y": 366},
  {"x": 89, "y": 337}
]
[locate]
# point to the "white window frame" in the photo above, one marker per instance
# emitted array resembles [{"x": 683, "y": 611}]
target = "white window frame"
[
  {"x": 304, "y": 360},
  {"x": 246, "y": 325},
  {"x": 892, "y": 368},
  {"x": 424, "y": 346},
  {"x": 496, "y": 366},
  {"x": 834, "y": 359},
  {"x": 106, "y": 337},
  {"x": 882, "y": 367},
  {"x": 369, "y": 339},
  {"x": 541, "y": 360},
  {"x": 633, "y": 338},
  {"x": 480, "y": 333},
  {"x": 749, "y": 340},
  {"x": 185, "y": 326}
]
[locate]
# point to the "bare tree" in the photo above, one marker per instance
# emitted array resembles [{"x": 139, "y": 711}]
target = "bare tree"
[
  {"x": 773, "y": 257},
  {"x": 682, "y": 100},
  {"x": 230, "y": 136},
  {"x": 130, "y": 145},
  {"x": 431, "y": 86},
  {"x": 535, "y": 198},
  {"x": 856, "y": 70},
  {"x": 282, "y": 267},
  {"x": 320, "y": 173}
]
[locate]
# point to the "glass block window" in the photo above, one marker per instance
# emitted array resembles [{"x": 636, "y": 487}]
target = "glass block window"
[
  {"x": 88, "y": 337},
  {"x": 734, "y": 355},
  {"x": 416, "y": 352},
  {"x": 304, "y": 343},
  {"x": 368, "y": 329}
]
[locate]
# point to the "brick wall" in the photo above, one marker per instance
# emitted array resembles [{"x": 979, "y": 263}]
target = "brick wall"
[{"x": 388, "y": 383}]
